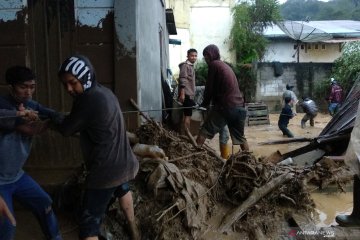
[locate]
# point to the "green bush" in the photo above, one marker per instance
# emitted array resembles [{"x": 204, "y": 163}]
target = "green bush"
[
  {"x": 201, "y": 71},
  {"x": 347, "y": 67},
  {"x": 243, "y": 72}
]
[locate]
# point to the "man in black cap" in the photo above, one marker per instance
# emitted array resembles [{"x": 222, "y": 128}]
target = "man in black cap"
[{"x": 289, "y": 93}]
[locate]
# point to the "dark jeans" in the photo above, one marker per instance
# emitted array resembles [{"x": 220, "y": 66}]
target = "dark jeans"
[
  {"x": 33, "y": 197},
  {"x": 94, "y": 206},
  {"x": 334, "y": 108},
  {"x": 285, "y": 130}
]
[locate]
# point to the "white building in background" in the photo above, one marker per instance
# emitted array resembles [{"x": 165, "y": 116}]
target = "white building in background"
[
  {"x": 200, "y": 23},
  {"x": 282, "y": 48}
]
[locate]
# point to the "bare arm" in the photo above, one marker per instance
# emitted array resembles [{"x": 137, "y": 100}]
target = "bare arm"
[{"x": 4, "y": 211}]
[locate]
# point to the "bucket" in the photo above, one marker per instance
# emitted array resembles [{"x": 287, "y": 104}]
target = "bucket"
[{"x": 197, "y": 115}]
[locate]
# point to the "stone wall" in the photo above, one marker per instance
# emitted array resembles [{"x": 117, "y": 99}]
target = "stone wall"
[{"x": 272, "y": 79}]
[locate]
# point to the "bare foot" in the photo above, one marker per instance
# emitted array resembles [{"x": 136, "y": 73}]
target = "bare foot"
[{"x": 134, "y": 231}]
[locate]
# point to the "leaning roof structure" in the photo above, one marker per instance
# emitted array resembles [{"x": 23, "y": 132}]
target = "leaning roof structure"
[{"x": 334, "y": 138}]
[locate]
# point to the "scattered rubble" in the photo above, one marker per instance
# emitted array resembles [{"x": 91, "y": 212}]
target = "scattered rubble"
[{"x": 176, "y": 195}]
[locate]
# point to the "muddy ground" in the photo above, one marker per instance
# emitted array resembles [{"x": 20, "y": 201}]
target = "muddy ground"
[
  {"x": 189, "y": 194},
  {"x": 192, "y": 194}
]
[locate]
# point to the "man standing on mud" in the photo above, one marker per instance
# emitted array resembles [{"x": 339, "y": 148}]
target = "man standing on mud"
[
  {"x": 108, "y": 157},
  {"x": 335, "y": 98},
  {"x": 284, "y": 118},
  {"x": 222, "y": 90},
  {"x": 187, "y": 86},
  {"x": 310, "y": 109},
  {"x": 290, "y": 93}
]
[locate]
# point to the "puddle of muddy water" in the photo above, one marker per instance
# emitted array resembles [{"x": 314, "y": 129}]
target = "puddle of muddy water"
[{"x": 329, "y": 205}]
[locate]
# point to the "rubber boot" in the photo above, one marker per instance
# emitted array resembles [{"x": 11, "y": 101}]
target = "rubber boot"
[
  {"x": 225, "y": 151},
  {"x": 352, "y": 220}
]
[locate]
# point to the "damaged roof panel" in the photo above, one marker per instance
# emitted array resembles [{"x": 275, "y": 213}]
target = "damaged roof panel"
[
  {"x": 9, "y": 9},
  {"x": 92, "y": 17},
  {"x": 11, "y": 4},
  {"x": 95, "y": 3},
  {"x": 8, "y": 15}
]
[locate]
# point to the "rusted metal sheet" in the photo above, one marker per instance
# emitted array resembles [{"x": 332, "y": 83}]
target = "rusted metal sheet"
[
  {"x": 96, "y": 41},
  {"x": 50, "y": 39},
  {"x": 41, "y": 36},
  {"x": 42, "y": 33},
  {"x": 125, "y": 62}
]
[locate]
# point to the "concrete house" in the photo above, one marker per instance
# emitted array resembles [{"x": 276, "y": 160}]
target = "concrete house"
[
  {"x": 300, "y": 54},
  {"x": 313, "y": 41},
  {"x": 127, "y": 42}
]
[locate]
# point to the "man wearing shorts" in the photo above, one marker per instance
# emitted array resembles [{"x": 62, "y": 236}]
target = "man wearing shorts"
[
  {"x": 187, "y": 86},
  {"x": 222, "y": 90}
]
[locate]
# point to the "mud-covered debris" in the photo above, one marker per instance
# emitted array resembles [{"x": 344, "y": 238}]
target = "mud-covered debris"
[{"x": 181, "y": 195}]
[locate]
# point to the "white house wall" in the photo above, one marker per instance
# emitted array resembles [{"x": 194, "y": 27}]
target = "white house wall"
[
  {"x": 283, "y": 51},
  {"x": 178, "y": 52},
  {"x": 152, "y": 51},
  {"x": 211, "y": 25},
  {"x": 200, "y": 23}
]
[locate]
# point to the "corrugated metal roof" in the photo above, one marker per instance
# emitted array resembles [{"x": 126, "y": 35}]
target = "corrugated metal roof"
[{"x": 337, "y": 28}]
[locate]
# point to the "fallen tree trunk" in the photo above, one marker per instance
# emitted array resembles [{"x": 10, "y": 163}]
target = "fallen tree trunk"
[
  {"x": 254, "y": 197},
  {"x": 283, "y": 141},
  {"x": 204, "y": 146}
]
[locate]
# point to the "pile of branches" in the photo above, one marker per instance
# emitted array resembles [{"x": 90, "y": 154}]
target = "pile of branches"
[{"x": 257, "y": 189}]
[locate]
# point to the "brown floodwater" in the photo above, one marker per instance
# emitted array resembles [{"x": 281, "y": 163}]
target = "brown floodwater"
[
  {"x": 329, "y": 205},
  {"x": 329, "y": 202}
]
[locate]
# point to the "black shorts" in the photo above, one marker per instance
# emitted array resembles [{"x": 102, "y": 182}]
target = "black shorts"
[{"x": 188, "y": 104}]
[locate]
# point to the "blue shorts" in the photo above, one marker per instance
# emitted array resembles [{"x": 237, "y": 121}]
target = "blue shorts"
[{"x": 94, "y": 205}]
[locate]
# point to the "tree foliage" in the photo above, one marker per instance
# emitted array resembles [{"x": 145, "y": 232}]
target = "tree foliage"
[
  {"x": 298, "y": 10},
  {"x": 249, "y": 21},
  {"x": 346, "y": 71},
  {"x": 347, "y": 67}
]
